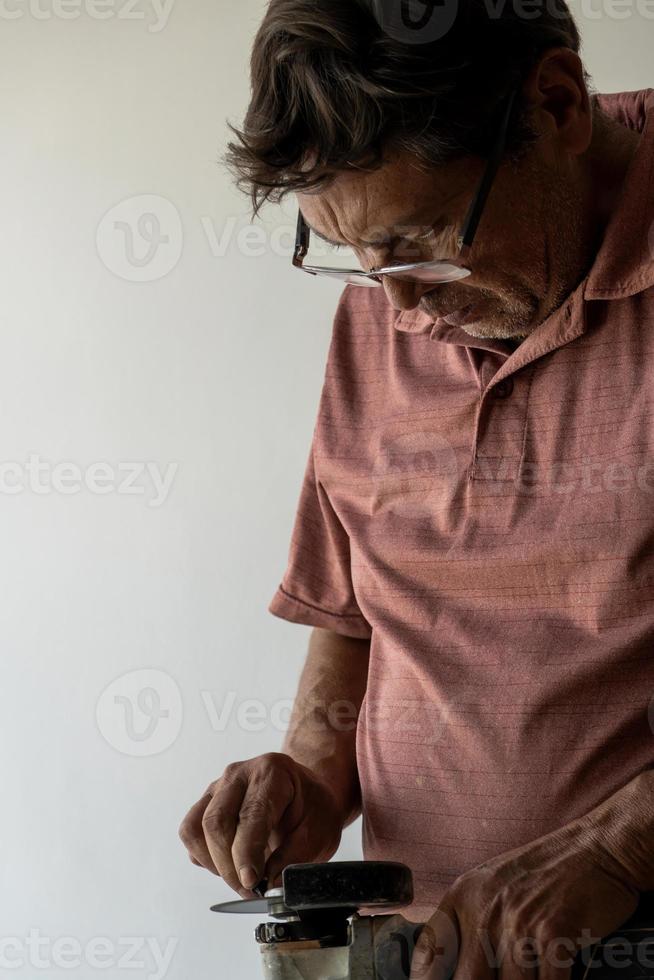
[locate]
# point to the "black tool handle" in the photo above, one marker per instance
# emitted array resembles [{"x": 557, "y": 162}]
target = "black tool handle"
[{"x": 627, "y": 953}]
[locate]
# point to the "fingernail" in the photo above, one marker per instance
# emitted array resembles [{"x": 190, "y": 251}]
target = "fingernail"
[{"x": 248, "y": 876}]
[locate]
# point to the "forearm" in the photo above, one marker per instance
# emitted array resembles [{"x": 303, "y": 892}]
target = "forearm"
[
  {"x": 623, "y": 826},
  {"x": 322, "y": 730}
]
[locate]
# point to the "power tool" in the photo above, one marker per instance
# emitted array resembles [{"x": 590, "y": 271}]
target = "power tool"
[{"x": 317, "y": 931}]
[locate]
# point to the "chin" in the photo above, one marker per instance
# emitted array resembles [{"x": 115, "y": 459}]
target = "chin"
[{"x": 481, "y": 329}]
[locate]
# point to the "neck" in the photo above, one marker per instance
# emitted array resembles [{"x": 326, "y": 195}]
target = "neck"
[{"x": 608, "y": 158}]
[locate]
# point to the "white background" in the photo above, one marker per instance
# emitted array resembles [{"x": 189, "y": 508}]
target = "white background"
[{"x": 213, "y": 368}]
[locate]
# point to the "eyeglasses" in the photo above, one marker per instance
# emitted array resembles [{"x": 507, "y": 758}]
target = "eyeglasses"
[{"x": 442, "y": 270}]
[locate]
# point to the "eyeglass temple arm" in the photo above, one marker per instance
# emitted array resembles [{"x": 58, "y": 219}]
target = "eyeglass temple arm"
[
  {"x": 301, "y": 240},
  {"x": 474, "y": 212}
]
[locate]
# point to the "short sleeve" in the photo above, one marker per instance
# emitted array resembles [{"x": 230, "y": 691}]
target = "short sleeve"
[{"x": 316, "y": 588}]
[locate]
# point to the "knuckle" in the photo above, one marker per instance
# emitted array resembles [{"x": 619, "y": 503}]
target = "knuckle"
[
  {"x": 272, "y": 760},
  {"x": 186, "y": 833},
  {"x": 232, "y": 770},
  {"x": 257, "y": 808},
  {"x": 214, "y": 822},
  {"x": 465, "y": 884}
]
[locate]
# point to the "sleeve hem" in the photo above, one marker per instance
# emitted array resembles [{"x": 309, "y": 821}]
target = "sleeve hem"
[{"x": 287, "y": 606}]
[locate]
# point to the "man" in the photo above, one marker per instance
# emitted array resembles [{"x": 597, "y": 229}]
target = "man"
[{"x": 473, "y": 542}]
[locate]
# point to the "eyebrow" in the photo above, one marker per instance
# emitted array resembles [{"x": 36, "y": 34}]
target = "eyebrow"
[{"x": 408, "y": 221}]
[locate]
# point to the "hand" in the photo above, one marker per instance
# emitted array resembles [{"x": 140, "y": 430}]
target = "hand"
[
  {"x": 526, "y": 913},
  {"x": 259, "y": 816}
]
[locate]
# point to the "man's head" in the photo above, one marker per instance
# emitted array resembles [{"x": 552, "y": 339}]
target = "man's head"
[{"x": 383, "y": 138}]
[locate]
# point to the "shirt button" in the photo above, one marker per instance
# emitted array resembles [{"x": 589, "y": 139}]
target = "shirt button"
[{"x": 503, "y": 388}]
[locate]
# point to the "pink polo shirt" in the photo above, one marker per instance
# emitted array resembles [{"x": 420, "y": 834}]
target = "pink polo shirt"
[{"x": 486, "y": 517}]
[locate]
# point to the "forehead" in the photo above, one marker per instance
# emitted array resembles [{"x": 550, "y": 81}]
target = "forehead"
[{"x": 405, "y": 186}]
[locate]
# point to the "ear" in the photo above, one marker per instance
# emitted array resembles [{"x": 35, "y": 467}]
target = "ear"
[{"x": 561, "y": 106}]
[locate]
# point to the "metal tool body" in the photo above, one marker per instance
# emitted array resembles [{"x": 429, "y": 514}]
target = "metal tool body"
[{"x": 318, "y": 933}]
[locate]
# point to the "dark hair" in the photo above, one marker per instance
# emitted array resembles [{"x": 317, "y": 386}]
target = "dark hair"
[{"x": 341, "y": 80}]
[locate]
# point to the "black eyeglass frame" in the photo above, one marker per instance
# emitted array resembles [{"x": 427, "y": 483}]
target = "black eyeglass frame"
[{"x": 467, "y": 231}]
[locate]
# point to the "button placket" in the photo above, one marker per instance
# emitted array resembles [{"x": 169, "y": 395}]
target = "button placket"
[{"x": 499, "y": 430}]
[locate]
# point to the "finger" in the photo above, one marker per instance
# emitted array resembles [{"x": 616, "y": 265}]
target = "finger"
[
  {"x": 294, "y": 850},
  {"x": 436, "y": 952},
  {"x": 298, "y": 839},
  {"x": 298, "y": 847},
  {"x": 192, "y": 835},
  {"x": 219, "y": 825},
  {"x": 262, "y": 811}
]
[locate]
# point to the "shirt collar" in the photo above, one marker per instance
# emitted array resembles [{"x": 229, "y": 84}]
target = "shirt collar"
[{"x": 624, "y": 263}]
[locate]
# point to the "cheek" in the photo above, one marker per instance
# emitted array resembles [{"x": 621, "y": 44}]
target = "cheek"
[{"x": 515, "y": 255}]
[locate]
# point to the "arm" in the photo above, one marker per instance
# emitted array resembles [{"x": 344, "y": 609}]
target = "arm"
[
  {"x": 291, "y": 806},
  {"x": 322, "y": 730}
]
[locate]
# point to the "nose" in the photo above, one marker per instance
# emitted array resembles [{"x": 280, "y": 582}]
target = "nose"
[{"x": 405, "y": 295}]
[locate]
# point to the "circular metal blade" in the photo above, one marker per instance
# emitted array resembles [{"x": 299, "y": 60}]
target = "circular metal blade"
[{"x": 241, "y": 905}]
